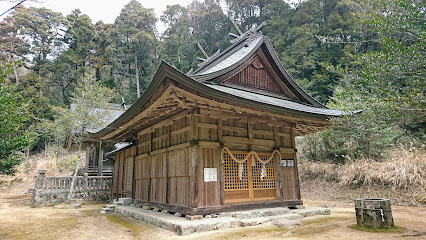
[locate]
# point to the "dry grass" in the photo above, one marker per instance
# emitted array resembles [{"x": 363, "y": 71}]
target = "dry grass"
[
  {"x": 24, "y": 178},
  {"x": 404, "y": 169}
]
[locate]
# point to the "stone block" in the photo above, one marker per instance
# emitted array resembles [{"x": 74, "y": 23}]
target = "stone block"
[
  {"x": 242, "y": 215},
  {"x": 225, "y": 214},
  {"x": 254, "y": 221},
  {"x": 177, "y": 214},
  {"x": 248, "y": 223},
  {"x": 292, "y": 216},
  {"x": 285, "y": 223},
  {"x": 223, "y": 225},
  {"x": 185, "y": 230},
  {"x": 205, "y": 227},
  {"x": 208, "y": 216},
  {"x": 193, "y": 217},
  {"x": 325, "y": 211},
  {"x": 235, "y": 224},
  {"x": 125, "y": 201}
]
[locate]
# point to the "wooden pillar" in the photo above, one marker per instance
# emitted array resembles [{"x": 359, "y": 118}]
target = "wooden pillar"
[
  {"x": 88, "y": 152},
  {"x": 194, "y": 175},
  {"x": 194, "y": 127},
  {"x": 296, "y": 167},
  {"x": 250, "y": 134},
  {"x": 101, "y": 158},
  {"x": 219, "y": 130}
]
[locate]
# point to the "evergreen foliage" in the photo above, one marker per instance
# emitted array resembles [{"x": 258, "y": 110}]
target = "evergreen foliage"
[
  {"x": 13, "y": 136},
  {"x": 366, "y": 55}
]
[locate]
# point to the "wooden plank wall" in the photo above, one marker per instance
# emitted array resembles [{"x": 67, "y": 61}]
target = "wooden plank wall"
[
  {"x": 209, "y": 193},
  {"x": 290, "y": 177},
  {"x": 142, "y": 177},
  {"x": 158, "y": 175},
  {"x": 164, "y": 177},
  {"x": 179, "y": 165},
  {"x": 168, "y": 169}
]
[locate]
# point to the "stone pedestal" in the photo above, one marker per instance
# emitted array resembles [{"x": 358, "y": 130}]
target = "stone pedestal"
[{"x": 373, "y": 213}]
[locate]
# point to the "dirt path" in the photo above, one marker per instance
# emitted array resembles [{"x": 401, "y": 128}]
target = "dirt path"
[{"x": 19, "y": 221}]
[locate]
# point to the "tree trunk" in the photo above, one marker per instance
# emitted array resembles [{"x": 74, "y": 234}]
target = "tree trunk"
[
  {"x": 74, "y": 177},
  {"x": 137, "y": 75}
]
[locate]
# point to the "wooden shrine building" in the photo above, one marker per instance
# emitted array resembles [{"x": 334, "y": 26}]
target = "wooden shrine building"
[{"x": 218, "y": 139}]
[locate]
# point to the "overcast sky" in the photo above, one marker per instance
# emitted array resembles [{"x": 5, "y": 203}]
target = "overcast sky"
[{"x": 105, "y": 10}]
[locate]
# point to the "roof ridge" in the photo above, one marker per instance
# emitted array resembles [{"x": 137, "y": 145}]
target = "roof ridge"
[{"x": 250, "y": 35}]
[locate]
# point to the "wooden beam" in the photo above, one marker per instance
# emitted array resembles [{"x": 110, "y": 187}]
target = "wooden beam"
[
  {"x": 250, "y": 133},
  {"x": 188, "y": 128},
  {"x": 143, "y": 114},
  {"x": 207, "y": 125},
  {"x": 287, "y": 150},
  {"x": 209, "y": 144},
  {"x": 165, "y": 122},
  {"x": 263, "y": 132}
]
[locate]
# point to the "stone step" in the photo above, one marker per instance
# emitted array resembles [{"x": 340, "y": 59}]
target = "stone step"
[
  {"x": 254, "y": 221},
  {"x": 124, "y": 201},
  {"x": 308, "y": 212},
  {"x": 283, "y": 217},
  {"x": 110, "y": 206},
  {"x": 265, "y": 212}
]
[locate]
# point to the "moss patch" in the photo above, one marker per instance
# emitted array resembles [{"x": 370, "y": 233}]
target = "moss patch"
[
  {"x": 319, "y": 220},
  {"x": 378, "y": 230},
  {"x": 124, "y": 223}
]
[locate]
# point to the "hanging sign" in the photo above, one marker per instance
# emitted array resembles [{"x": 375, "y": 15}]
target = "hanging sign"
[
  {"x": 286, "y": 163},
  {"x": 210, "y": 174}
]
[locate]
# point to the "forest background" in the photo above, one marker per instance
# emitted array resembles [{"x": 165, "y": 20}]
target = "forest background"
[{"x": 350, "y": 55}]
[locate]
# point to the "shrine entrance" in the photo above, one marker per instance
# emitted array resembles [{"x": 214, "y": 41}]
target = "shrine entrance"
[{"x": 249, "y": 176}]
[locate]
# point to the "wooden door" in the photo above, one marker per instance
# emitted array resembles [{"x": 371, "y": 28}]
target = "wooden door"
[{"x": 250, "y": 185}]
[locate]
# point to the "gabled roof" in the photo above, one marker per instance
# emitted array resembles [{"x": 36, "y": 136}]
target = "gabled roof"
[
  {"x": 238, "y": 53},
  {"x": 209, "y": 82},
  {"x": 149, "y": 104}
]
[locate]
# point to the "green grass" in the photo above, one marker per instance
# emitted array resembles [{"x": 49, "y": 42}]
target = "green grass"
[
  {"x": 319, "y": 220},
  {"x": 378, "y": 230},
  {"x": 124, "y": 223}
]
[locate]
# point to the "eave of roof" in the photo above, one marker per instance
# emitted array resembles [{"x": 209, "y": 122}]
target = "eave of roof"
[{"x": 221, "y": 93}]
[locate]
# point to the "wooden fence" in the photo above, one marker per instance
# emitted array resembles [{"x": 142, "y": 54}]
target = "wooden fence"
[{"x": 54, "y": 190}]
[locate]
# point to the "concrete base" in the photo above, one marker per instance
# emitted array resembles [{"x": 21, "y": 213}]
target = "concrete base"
[{"x": 182, "y": 226}]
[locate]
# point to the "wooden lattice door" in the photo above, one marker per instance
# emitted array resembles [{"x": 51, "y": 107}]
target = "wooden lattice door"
[{"x": 249, "y": 183}]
